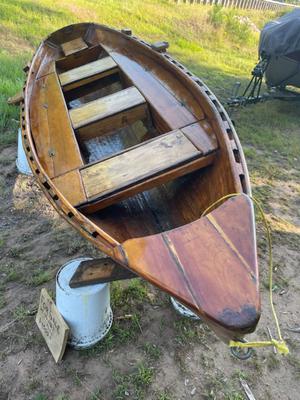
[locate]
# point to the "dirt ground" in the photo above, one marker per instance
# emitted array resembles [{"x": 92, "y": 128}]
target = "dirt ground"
[{"x": 156, "y": 354}]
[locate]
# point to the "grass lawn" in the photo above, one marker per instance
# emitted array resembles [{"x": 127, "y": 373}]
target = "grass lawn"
[{"x": 154, "y": 354}]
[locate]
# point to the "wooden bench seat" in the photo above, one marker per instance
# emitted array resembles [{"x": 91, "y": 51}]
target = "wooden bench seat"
[
  {"x": 73, "y": 46},
  {"x": 140, "y": 168},
  {"x": 109, "y": 113},
  {"x": 87, "y": 73}
]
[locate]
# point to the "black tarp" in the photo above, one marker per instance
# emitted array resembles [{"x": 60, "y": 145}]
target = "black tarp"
[{"x": 282, "y": 36}]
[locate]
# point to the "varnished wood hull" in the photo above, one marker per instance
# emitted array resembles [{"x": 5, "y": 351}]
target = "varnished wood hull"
[{"x": 147, "y": 219}]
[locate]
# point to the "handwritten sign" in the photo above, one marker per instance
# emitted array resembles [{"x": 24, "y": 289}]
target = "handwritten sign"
[{"x": 52, "y": 326}]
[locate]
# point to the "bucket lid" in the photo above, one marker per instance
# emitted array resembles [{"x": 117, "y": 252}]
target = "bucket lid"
[{"x": 65, "y": 274}]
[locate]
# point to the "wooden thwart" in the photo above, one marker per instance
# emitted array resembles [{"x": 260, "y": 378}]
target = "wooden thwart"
[
  {"x": 99, "y": 271},
  {"x": 106, "y": 107},
  {"x": 159, "y": 160},
  {"x": 137, "y": 164},
  {"x": 73, "y": 46},
  {"x": 87, "y": 73}
]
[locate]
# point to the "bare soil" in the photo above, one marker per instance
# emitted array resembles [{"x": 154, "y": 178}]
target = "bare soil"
[{"x": 156, "y": 354}]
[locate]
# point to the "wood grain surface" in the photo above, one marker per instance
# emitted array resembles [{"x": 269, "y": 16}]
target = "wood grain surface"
[
  {"x": 87, "y": 73},
  {"x": 210, "y": 265},
  {"x": 73, "y": 46},
  {"x": 106, "y": 106},
  {"x": 100, "y": 270},
  {"x": 54, "y": 138}
]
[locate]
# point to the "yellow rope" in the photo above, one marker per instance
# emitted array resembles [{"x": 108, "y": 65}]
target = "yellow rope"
[{"x": 279, "y": 344}]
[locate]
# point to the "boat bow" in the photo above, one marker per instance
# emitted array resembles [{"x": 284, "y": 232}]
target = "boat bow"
[{"x": 210, "y": 265}]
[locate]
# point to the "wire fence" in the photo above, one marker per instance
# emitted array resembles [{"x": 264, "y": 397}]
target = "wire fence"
[{"x": 244, "y": 4}]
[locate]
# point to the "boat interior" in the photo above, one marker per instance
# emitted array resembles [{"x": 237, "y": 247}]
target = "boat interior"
[{"x": 130, "y": 142}]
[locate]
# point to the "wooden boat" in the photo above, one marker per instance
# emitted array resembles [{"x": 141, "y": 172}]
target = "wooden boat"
[{"x": 131, "y": 148}]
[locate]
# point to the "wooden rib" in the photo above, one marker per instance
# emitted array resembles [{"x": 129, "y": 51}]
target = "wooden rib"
[
  {"x": 106, "y": 106},
  {"x": 54, "y": 138},
  {"x": 73, "y": 46},
  {"x": 137, "y": 164},
  {"x": 87, "y": 73},
  {"x": 70, "y": 185}
]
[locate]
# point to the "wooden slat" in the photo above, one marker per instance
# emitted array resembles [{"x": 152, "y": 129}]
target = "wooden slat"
[
  {"x": 202, "y": 136},
  {"x": 96, "y": 271},
  {"x": 106, "y": 106},
  {"x": 70, "y": 185},
  {"x": 112, "y": 123},
  {"x": 75, "y": 60},
  {"x": 73, "y": 46},
  {"x": 87, "y": 73},
  {"x": 16, "y": 99},
  {"x": 159, "y": 179},
  {"x": 136, "y": 164},
  {"x": 54, "y": 138}
]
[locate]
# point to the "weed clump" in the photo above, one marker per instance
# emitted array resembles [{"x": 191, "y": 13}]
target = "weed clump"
[{"x": 236, "y": 27}]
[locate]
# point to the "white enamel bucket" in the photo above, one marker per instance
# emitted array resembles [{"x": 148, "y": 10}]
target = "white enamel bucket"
[
  {"x": 21, "y": 161},
  {"x": 85, "y": 309}
]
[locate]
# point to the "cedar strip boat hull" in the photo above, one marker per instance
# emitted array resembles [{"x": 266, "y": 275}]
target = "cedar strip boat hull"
[{"x": 131, "y": 148}]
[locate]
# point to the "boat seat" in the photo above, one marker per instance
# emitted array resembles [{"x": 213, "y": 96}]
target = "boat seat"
[
  {"x": 144, "y": 166},
  {"x": 87, "y": 73},
  {"x": 115, "y": 110},
  {"x": 73, "y": 46},
  {"x": 57, "y": 153}
]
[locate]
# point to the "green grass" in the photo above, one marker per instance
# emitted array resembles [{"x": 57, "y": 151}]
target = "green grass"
[
  {"x": 133, "y": 385},
  {"x": 209, "y": 40},
  {"x": 40, "y": 277}
]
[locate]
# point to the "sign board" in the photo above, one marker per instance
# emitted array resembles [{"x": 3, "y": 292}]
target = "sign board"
[{"x": 52, "y": 326}]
